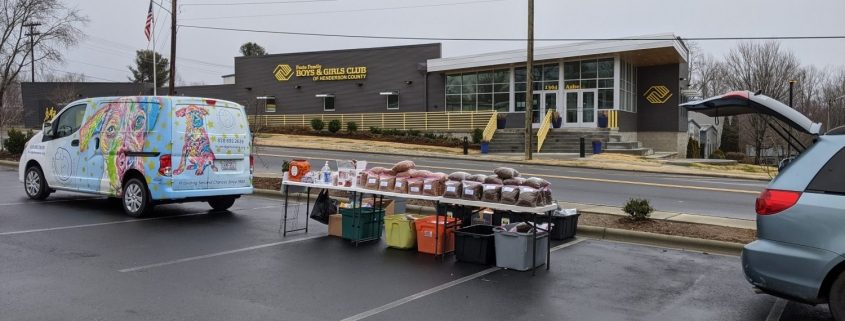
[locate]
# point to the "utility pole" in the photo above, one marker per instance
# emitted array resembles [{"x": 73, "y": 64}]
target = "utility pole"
[
  {"x": 172, "y": 83},
  {"x": 529, "y": 81},
  {"x": 32, "y": 33}
]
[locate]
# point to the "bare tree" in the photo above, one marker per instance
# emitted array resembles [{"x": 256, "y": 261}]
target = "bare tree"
[
  {"x": 765, "y": 67},
  {"x": 58, "y": 30}
]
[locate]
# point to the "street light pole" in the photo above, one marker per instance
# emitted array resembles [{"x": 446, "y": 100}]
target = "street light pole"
[{"x": 529, "y": 82}]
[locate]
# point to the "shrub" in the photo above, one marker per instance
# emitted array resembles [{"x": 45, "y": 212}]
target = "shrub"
[
  {"x": 638, "y": 208},
  {"x": 717, "y": 154},
  {"x": 16, "y": 142},
  {"x": 413, "y": 132},
  {"x": 352, "y": 126},
  {"x": 477, "y": 135},
  {"x": 334, "y": 126},
  {"x": 317, "y": 124},
  {"x": 735, "y": 156},
  {"x": 693, "y": 150},
  {"x": 375, "y": 130}
]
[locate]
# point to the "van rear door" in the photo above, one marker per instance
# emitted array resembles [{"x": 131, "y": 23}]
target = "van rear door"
[
  {"x": 211, "y": 146},
  {"x": 745, "y": 102}
]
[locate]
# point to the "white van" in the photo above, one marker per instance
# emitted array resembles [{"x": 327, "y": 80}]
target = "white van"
[{"x": 144, "y": 150}]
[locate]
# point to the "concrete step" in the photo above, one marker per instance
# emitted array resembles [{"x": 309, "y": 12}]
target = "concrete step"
[
  {"x": 636, "y": 151},
  {"x": 614, "y": 138},
  {"x": 623, "y": 145}
]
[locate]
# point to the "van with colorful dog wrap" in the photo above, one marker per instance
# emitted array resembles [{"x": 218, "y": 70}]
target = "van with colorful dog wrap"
[{"x": 144, "y": 150}]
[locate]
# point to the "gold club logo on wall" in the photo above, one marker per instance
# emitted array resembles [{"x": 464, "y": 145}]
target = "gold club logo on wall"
[
  {"x": 49, "y": 114},
  {"x": 657, "y": 94},
  {"x": 283, "y": 72}
]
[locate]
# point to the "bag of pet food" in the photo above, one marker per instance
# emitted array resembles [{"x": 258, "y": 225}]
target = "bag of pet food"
[
  {"x": 536, "y": 182},
  {"x": 506, "y": 172},
  {"x": 493, "y": 179},
  {"x": 458, "y": 176},
  {"x": 403, "y": 166},
  {"x": 510, "y": 194},
  {"x": 433, "y": 186},
  {"x": 377, "y": 170},
  {"x": 546, "y": 192},
  {"x": 476, "y": 178},
  {"x": 438, "y": 175},
  {"x": 452, "y": 189},
  {"x": 516, "y": 181},
  {"x": 401, "y": 185},
  {"x": 419, "y": 173},
  {"x": 491, "y": 192},
  {"x": 403, "y": 174},
  {"x": 472, "y": 191},
  {"x": 415, "y": 185},
  {"x": 528, "y": 196},
  {"x": 386, "y": 182},
  {"x": 372, "y": 181}
]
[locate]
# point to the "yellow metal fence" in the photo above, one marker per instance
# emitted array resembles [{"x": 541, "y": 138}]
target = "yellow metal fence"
[{"x": 404, "y": 121}]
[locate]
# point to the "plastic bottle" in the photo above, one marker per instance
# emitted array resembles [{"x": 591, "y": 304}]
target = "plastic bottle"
[{"x": 326, "y": 174}]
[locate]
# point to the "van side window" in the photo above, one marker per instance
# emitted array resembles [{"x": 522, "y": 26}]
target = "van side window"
[
  {"x": 831, "y": 178},
  {"x": 69, "y": 121}
]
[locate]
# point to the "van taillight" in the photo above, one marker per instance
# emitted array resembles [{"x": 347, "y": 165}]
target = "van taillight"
[
  {"x": 251, "y": 164},
  {"x": 164, "y": 165},
  {"x": 773, "y": 201}
]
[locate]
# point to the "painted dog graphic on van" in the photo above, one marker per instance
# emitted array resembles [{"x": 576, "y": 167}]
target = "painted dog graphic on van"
[
  {"x": 196, "y": 153},
  {"x": 121, "y": 128}
]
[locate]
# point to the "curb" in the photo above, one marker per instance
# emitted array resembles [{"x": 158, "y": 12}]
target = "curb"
[
  {"x": 8, "y": 163},
  {"x": 612, "y": 234},
  {"x": 504, "y": 161}
]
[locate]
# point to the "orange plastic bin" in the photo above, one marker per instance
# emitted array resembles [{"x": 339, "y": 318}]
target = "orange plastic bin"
[{"x": 427, "y": 235}]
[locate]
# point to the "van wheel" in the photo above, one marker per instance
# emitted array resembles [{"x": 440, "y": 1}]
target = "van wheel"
[
  {"x": 136, "y": 199},
  {"x": 836, "y": 298},
  {"x": 221, "y": 203},
  {"x": 35, "y": 184}
]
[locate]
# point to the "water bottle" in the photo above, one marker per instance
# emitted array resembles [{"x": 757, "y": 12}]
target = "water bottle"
[{"x": 326, "y": 173}]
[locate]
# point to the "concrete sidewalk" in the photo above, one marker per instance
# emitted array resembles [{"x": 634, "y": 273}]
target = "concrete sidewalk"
[
  {"x": 667, "y": 216},
  {"x": 601, "y": 161}
]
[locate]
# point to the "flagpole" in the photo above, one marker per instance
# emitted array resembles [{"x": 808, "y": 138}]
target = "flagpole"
[{"x": 155, "y": 84}]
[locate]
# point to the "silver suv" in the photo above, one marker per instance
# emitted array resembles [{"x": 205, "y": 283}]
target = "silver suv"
[{"x": 798, "y": 254}]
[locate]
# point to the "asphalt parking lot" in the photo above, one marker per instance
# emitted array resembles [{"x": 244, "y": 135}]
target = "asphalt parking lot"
[{"x": 77, "y": 257}]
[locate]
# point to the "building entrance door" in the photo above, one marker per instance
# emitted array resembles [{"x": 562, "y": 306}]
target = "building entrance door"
[
  {"x": 580, "y": 107},
  {"x": 544, "y": 101}
]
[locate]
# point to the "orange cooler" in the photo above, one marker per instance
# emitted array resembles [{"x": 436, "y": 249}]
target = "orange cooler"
[{"x": 426, "y": 234}]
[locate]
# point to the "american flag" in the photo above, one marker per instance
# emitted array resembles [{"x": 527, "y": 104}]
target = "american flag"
[{"x": 148, "y": 27}]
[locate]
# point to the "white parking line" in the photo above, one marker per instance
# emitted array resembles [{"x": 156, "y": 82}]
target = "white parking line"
[
  {"x": 120, "y": 222},
  {"x": 444, "y": 286},
  {"x": 200, "y": 257},
  {"x": 777, "y": 310}
]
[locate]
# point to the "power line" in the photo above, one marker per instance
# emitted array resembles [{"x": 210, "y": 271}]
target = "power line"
[
  {"x": 344, "y": 11},
  {"x": 83, "y": 74},
  {"x": 510, "y": 39},
  {"x": 251, "y": 3}
]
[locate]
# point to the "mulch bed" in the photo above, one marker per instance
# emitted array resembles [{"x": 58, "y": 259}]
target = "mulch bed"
[
  {"x": 4, "y": 155},
  {"x": 701, "y": 231}
]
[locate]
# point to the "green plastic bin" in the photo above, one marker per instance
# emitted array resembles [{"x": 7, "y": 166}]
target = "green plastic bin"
[
  {"x": 361, "y": 224},
  {"x": 399, "y": 231}
]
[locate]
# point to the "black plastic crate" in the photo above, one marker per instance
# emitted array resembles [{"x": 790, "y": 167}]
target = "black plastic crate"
[
  {"x": 475, "y": 244},
  {"x": 463, "y": 213}
]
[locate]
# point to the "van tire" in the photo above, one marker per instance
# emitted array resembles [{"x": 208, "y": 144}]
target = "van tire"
[
  {"x": 35, "y": 185},
  {"x": 136, "y": 198},
  {"x": 221, "y": 203},
  {"x": 836, "y": 298}
]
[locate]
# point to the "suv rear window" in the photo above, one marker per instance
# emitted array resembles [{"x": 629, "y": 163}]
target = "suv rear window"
[{"x": 831, "y": 178}]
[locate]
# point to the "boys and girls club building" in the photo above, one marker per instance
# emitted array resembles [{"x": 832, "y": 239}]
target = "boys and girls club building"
[{"x": 623, "y": 91}]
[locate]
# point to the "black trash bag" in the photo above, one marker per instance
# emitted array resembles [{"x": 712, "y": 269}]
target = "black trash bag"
[{"x": 323, "y": 207}]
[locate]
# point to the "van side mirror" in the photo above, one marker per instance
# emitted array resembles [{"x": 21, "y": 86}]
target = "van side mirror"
[{"x": 47, "y": 130}]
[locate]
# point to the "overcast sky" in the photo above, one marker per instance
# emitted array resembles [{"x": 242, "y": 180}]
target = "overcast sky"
[{"x": 115, "y": 29}]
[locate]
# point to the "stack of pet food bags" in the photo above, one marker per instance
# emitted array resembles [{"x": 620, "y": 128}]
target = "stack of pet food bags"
[
  {"x": 403, "y": 178},
  {"x": 506, "y": 187}
]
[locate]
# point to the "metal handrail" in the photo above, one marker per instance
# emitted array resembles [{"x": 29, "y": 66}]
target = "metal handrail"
[
  {"x": 544, "y": 129},
  {"x": 490, "y": 130},
  {"x": 612, "y": 119}
]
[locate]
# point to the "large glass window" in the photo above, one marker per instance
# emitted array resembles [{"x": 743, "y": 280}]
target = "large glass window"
[
  {"x": 478, "y": 91},
  {"x": 591, "y": 74},
  {"x": 627, "y": 87}
]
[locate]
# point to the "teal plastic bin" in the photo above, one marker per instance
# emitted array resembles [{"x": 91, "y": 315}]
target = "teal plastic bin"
[{"x": 361, "y": 224}]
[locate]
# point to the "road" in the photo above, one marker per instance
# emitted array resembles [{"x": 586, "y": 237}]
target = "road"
[
  {"x": 723, "y": 197},
  {"x": 77, "y": 257}
]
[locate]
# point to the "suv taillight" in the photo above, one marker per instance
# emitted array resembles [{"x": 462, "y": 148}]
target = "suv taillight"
[
  {"x": 251, "y": 164},
  {"x": 164, "y": 165},
  {"x": 773, "y": 201}
]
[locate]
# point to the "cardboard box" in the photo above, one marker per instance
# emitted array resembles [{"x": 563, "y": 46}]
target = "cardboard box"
[
  {"x": 336, "y": 225},
  {"x": 389, "y": 207}
]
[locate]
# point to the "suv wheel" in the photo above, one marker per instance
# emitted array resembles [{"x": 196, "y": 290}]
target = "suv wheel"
[
  {"x": 221, "y": 203},
  {"x": 136, "y": 199},
  {"x": 35, "y": 184},
  {"x": 836, "y": 298}
]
